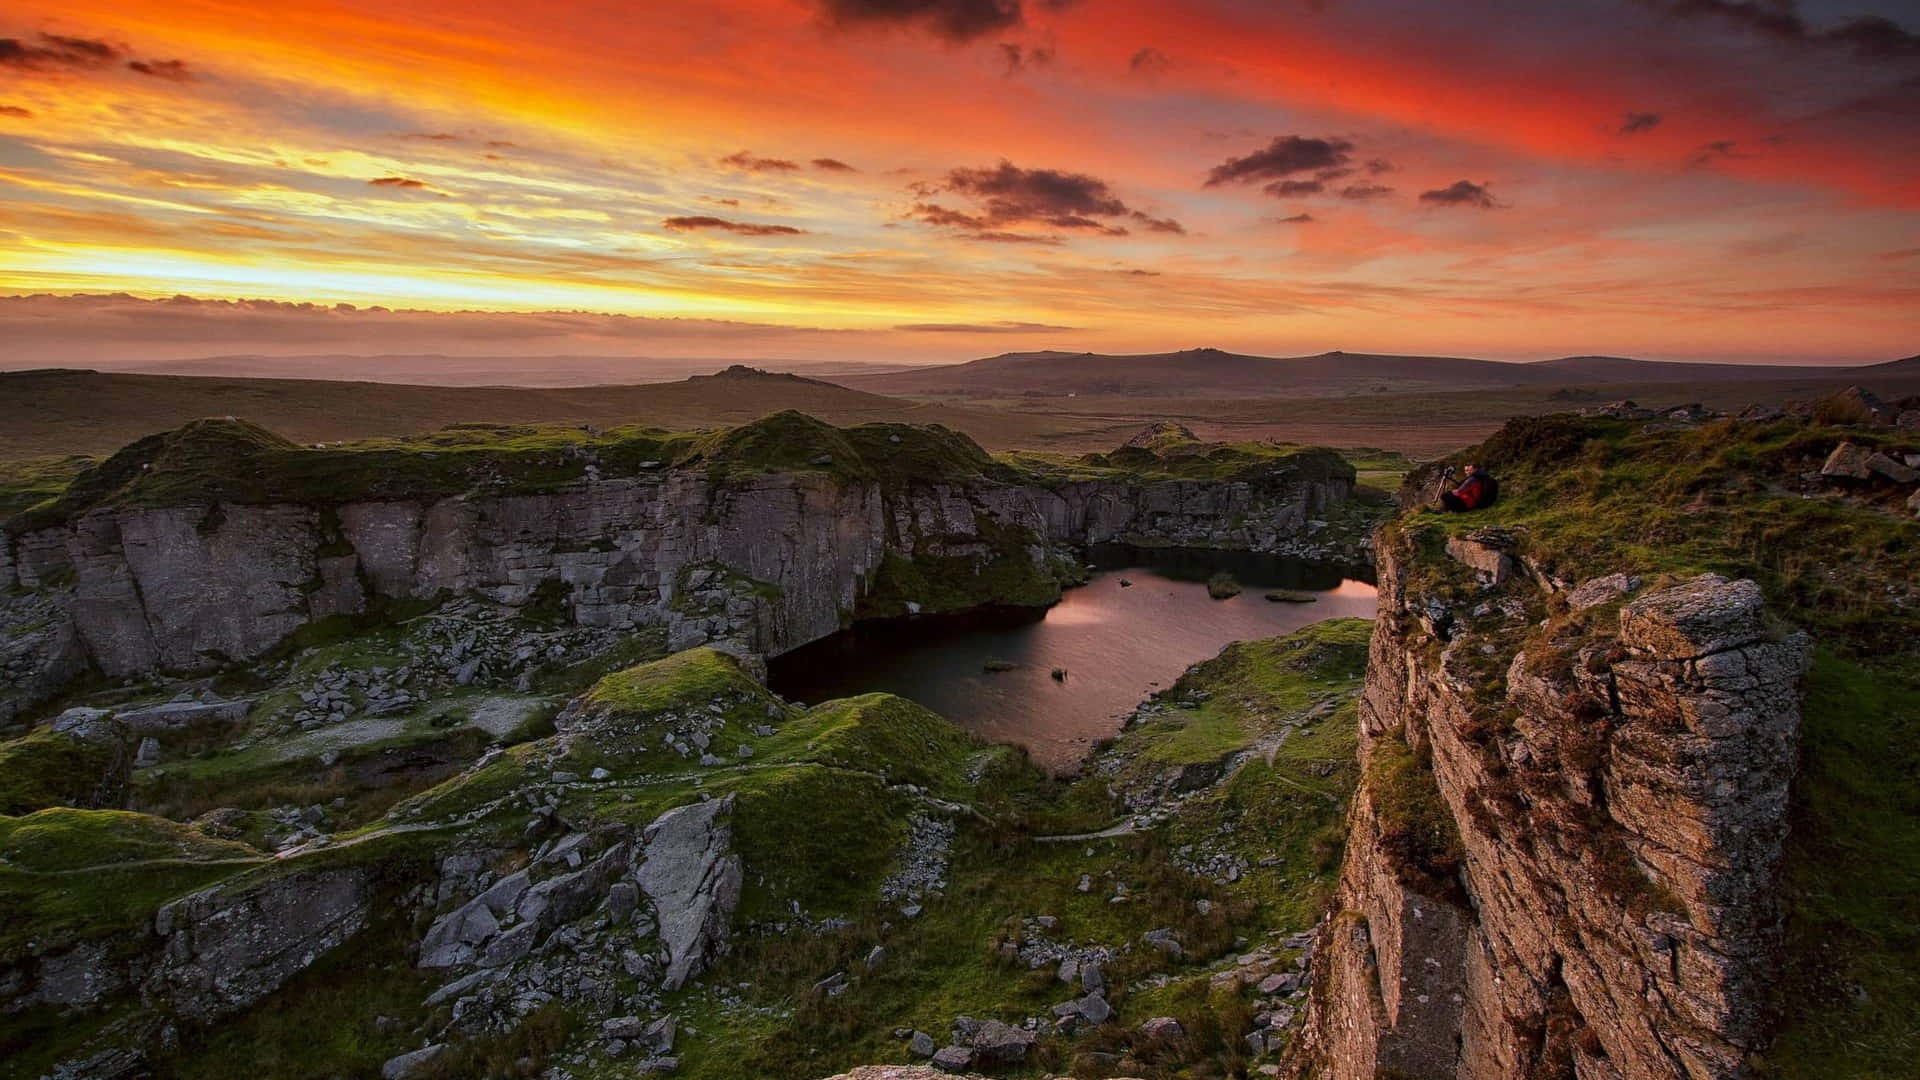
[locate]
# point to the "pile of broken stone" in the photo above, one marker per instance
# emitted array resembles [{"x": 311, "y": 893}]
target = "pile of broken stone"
[
  {"x": 1854, "y": 464},
  {"x": 602, "y": 920}
]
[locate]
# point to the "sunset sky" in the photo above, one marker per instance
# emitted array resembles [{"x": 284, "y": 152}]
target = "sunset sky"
[{"x": 938, "y": 179}]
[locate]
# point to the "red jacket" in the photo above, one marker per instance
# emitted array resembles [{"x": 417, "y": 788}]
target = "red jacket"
[{"x": 1473, "y": 492}]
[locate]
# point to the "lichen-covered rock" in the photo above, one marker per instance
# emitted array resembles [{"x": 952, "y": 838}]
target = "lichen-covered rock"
[
  {"x": 1494, "y": 565},
  {"x": 1886, "y": 466},
  {"x": 229, "y": 946},
  {"x": 1620, "y": 810},
  {"x": 1600, "y": 590},
  {"x": 412, "y": 1063},
  {"x": 693, "y": 878},
  {"x": 1849, "y": 461}
]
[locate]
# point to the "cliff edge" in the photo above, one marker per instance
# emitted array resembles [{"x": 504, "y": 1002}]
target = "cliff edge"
[{"x": 1615, "y": 813}]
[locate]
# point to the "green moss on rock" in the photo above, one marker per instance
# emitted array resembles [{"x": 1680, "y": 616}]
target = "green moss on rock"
[
  {"x": 1416, "y": 827},
  {"x": 902, "y": 742},
  {"x": 63, "y": 838},
  {"x": 44, "y": 769}
]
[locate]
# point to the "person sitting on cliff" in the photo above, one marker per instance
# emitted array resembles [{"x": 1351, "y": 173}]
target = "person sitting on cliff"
[{"x": 1476, "y": 492}]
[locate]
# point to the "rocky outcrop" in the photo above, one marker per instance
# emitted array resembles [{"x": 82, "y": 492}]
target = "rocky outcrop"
[
  {"x": 693, "y": 879},
  {"x": 229, "y": 947},
  {"x": 206, "y": 955},
  {"x": 40, "y": 647},
  {"x": 774, "y": 559},
  {"x": 1602, "y": 903}
]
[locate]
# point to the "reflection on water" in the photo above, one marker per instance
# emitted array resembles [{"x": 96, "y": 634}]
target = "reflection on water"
[{"x": 1117, "y": 644}]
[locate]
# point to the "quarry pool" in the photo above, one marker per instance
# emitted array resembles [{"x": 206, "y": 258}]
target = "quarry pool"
[{"x": 1117, "y": 643}]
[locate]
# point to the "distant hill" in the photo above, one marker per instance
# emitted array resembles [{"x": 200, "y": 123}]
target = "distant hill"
[
  {"x": 1214, "y": 373},
  {"x": 432, "y": 369},
  {"x": 62, "y": 411}
]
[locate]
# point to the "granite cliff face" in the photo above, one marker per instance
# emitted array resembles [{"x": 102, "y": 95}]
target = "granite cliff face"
[
  {"x": 1563, "y": 860},
  {"x": 772, "y": 558}
]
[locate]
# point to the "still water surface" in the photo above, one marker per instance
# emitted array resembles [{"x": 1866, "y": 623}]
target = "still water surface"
[{"x": 1117, "y": 643}]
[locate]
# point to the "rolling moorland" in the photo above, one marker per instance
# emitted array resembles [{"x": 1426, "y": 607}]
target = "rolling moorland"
[
  {"x": 442, "y": 754},
  {"x": 1017, "y": 401}
]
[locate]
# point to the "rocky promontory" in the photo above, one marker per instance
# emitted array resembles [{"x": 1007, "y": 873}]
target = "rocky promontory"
[{"x": 1614, "y": 748}]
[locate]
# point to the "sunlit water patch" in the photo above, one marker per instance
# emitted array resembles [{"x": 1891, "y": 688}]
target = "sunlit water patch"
[{"x": 1116, "y": 644}]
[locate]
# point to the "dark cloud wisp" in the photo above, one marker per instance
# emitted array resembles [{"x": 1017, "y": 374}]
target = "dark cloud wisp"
[
  {"x": 50, "y": 53},
  {"x": 1281, "y": 162},
  {"x": 170, "y": 70},
  {"x": 1870, "y": 36},
  {"x": 739, "y": 228},
  {"x": 745, "y": 160},
  {"x": 55, "y": 51},
  {"x": 1362, "y": 192},
  {"x": 952, "y": 20},
  {"x": 1149, "y": 61},
  {"x": 1007, "y": 195},
  {"x": 1461, "y": 193},
  {"x": 984, "y": 328},
  {"x": 1636, "y": 122}
]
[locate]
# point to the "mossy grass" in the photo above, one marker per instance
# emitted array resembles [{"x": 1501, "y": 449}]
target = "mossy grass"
[
  {"x": 66, "y": 839},
  {"x": 45, "y": 909},
  {"x": 231, "y": 461},
  {"x": 891, "y": 737},
  {"x": 822, "y": 813},
  {"x": 28, "y": 482},
  {"x": 1227, "y": 703},
  {"x": 1851, "y": 989},
  {"x": 629, "y": 715},
  {"x": 812, "y": 835},
  {"x": 1016, "y": 569},
  {"x": 327, "y": 1020},
  {"x": 1283, "y": 817},
  {"x": 684, "y": 680},
  {"x": 476, "y": 789},
  {"x": 1178, "y": 458},
  {"x": 42, "y": 769},
  {"x": 371, "y": 776}
]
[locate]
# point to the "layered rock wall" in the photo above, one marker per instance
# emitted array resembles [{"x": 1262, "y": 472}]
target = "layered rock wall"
[
  {"x": 188, "y": 588},
  {"x": 1616, "y": 788}
]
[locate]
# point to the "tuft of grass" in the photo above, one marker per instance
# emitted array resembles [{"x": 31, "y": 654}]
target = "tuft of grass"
[
  {"x": 814, "y": 835},
  {"x": 898, "y": 740},
  {"x": 1416, "y": 827},
  {"x": 682, "y": 680}
]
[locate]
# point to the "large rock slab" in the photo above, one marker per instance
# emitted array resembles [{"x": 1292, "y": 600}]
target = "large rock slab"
[
  {"x": 229, "y": 946},
  {"x": 693, "y": 879}
]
